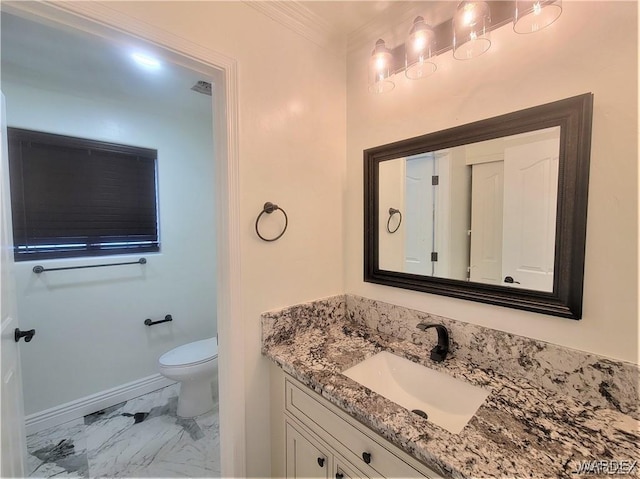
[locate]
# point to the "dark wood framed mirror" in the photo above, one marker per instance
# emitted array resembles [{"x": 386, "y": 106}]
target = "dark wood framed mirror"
[{"x": 493, "y": 211}]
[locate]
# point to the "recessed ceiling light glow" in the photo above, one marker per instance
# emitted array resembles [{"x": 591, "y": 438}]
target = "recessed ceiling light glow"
[{"x": 146, "y": 61}]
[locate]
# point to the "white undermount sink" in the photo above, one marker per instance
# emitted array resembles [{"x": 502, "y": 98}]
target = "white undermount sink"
[{"x": 448, "y": 402}]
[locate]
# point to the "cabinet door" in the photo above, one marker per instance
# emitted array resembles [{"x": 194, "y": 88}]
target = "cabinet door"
[
  {"x": 345, "y": 470},
  {"x": 305, "y": 458}
]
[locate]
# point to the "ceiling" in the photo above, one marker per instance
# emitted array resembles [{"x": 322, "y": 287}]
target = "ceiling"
[
  {"x": 347, "y": 17},
  {"x": 347, "y": 25},
  {"x": 350, "y": 16},
  {"x": 56, "y": 58}
]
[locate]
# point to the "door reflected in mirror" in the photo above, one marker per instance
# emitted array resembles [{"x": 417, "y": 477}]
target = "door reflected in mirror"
[
  {"x": 492, "y": 211},
  {"x": 483, "y": 212}
]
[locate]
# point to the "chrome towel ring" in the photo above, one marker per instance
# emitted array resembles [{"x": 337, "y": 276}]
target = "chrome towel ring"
[
  {"x": 392, "y": 212},
  {"x": 270, "y": 208}
]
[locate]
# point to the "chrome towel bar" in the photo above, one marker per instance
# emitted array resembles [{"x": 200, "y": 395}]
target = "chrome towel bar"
[
  {"x": 41, "y": 269},
  {"x": 149, "y": 322}
]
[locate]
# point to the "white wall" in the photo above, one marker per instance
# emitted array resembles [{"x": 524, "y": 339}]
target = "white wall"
[
  {"x": 292, "y": 126},
  {"x": 90, "y": 333},
  {"x": 459, "y": 202},
  {"x": 391, "y": 191},
  {"x": 591, "y": 48}
]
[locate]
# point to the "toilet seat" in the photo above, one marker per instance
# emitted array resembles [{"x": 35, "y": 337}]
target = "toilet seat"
[{"x": 191, "y": 354}]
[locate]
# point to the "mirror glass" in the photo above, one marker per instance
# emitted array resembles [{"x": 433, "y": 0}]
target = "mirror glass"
[
  {"x": 482, "y": 212},
  {"x": 492, "y": 211}
]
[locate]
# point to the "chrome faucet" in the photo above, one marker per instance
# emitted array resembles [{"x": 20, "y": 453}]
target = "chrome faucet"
[{"x": 439, "y": 352}]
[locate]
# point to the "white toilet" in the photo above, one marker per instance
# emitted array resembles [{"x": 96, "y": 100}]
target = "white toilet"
[{"x": 195, "y": 366}]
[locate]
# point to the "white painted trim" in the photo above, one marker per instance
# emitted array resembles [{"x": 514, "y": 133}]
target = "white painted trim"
[
  {"x": 96, "y": 402},
  {"x": 297, "y": 17},
  {"x": 98, "y": 18}
]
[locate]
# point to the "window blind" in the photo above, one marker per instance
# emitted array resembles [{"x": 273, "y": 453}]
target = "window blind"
[{"x": 78, "y": 197}]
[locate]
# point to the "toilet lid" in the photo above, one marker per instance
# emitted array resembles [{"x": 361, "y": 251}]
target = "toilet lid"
[{"x": 192, "y": 353}]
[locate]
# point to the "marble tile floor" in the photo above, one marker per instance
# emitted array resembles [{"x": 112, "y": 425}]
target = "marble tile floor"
[{"x": 142, "y": 437}]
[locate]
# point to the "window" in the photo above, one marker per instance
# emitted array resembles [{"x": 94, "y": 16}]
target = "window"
[{"x": 74, "y": 197}]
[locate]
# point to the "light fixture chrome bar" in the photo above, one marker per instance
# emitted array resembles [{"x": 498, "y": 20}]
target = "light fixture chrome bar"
[{"x": 501, "y": 14}]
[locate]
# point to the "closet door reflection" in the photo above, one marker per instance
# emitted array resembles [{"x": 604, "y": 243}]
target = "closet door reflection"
[
  {"x": 487, "y": 199},
  {"x": 484, "y": 212},
  {"x": 530, "y": 194}
]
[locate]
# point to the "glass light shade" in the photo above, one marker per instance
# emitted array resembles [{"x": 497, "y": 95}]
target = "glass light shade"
[
  {"x": 419, "y": 50},
  {"x": 380, "y": 69},
  {"x": 471, "y": 24},
  {"x": 529, "y": 17}
]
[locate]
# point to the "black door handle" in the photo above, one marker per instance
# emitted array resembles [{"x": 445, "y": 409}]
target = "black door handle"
[
  {"x": 321, "y": 461},
  {"x": 366, "y": 457},
  {"x": 339, "y": 475},
  {"x": 27, "y": 335},
  {"x": 510, "y": 280}
]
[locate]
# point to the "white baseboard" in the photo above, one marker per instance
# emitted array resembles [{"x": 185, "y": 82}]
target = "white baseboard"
[{"x": 89, "y": 404}]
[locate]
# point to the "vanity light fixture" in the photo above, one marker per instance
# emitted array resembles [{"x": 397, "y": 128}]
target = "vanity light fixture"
[
  {"x": 529, "y": 17},
  {"x": 419, "y": 49},
  {"x": 466, "y": 34},
  {"x": 380, "y": 69},
  {"x": 471, "y": 24}
]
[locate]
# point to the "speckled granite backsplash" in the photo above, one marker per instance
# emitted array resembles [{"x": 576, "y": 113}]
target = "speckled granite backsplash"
[
  {"x": 583, "y": 376},
  {"x": 279, "y": 325},
  {"x": 550, "y": 412}
]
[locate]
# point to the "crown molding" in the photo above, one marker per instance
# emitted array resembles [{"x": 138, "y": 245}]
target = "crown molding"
[
  {"x": 393, "y": 22},
  {"x": 394, "y": 15},
  {"x": 301, "y": 20}
]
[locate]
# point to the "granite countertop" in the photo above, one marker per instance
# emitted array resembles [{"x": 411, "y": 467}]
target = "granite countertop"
[{"x": 521, "y": 430}]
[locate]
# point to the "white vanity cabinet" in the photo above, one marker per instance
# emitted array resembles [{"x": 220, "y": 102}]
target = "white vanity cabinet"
[{"x": 324, "y": 442}]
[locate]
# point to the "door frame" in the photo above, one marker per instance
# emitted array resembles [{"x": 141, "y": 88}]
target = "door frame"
[{"x": 97, "y": 18}]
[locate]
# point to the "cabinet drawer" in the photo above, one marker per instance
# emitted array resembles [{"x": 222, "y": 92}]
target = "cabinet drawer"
[{"x": 360, "y": 447}]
